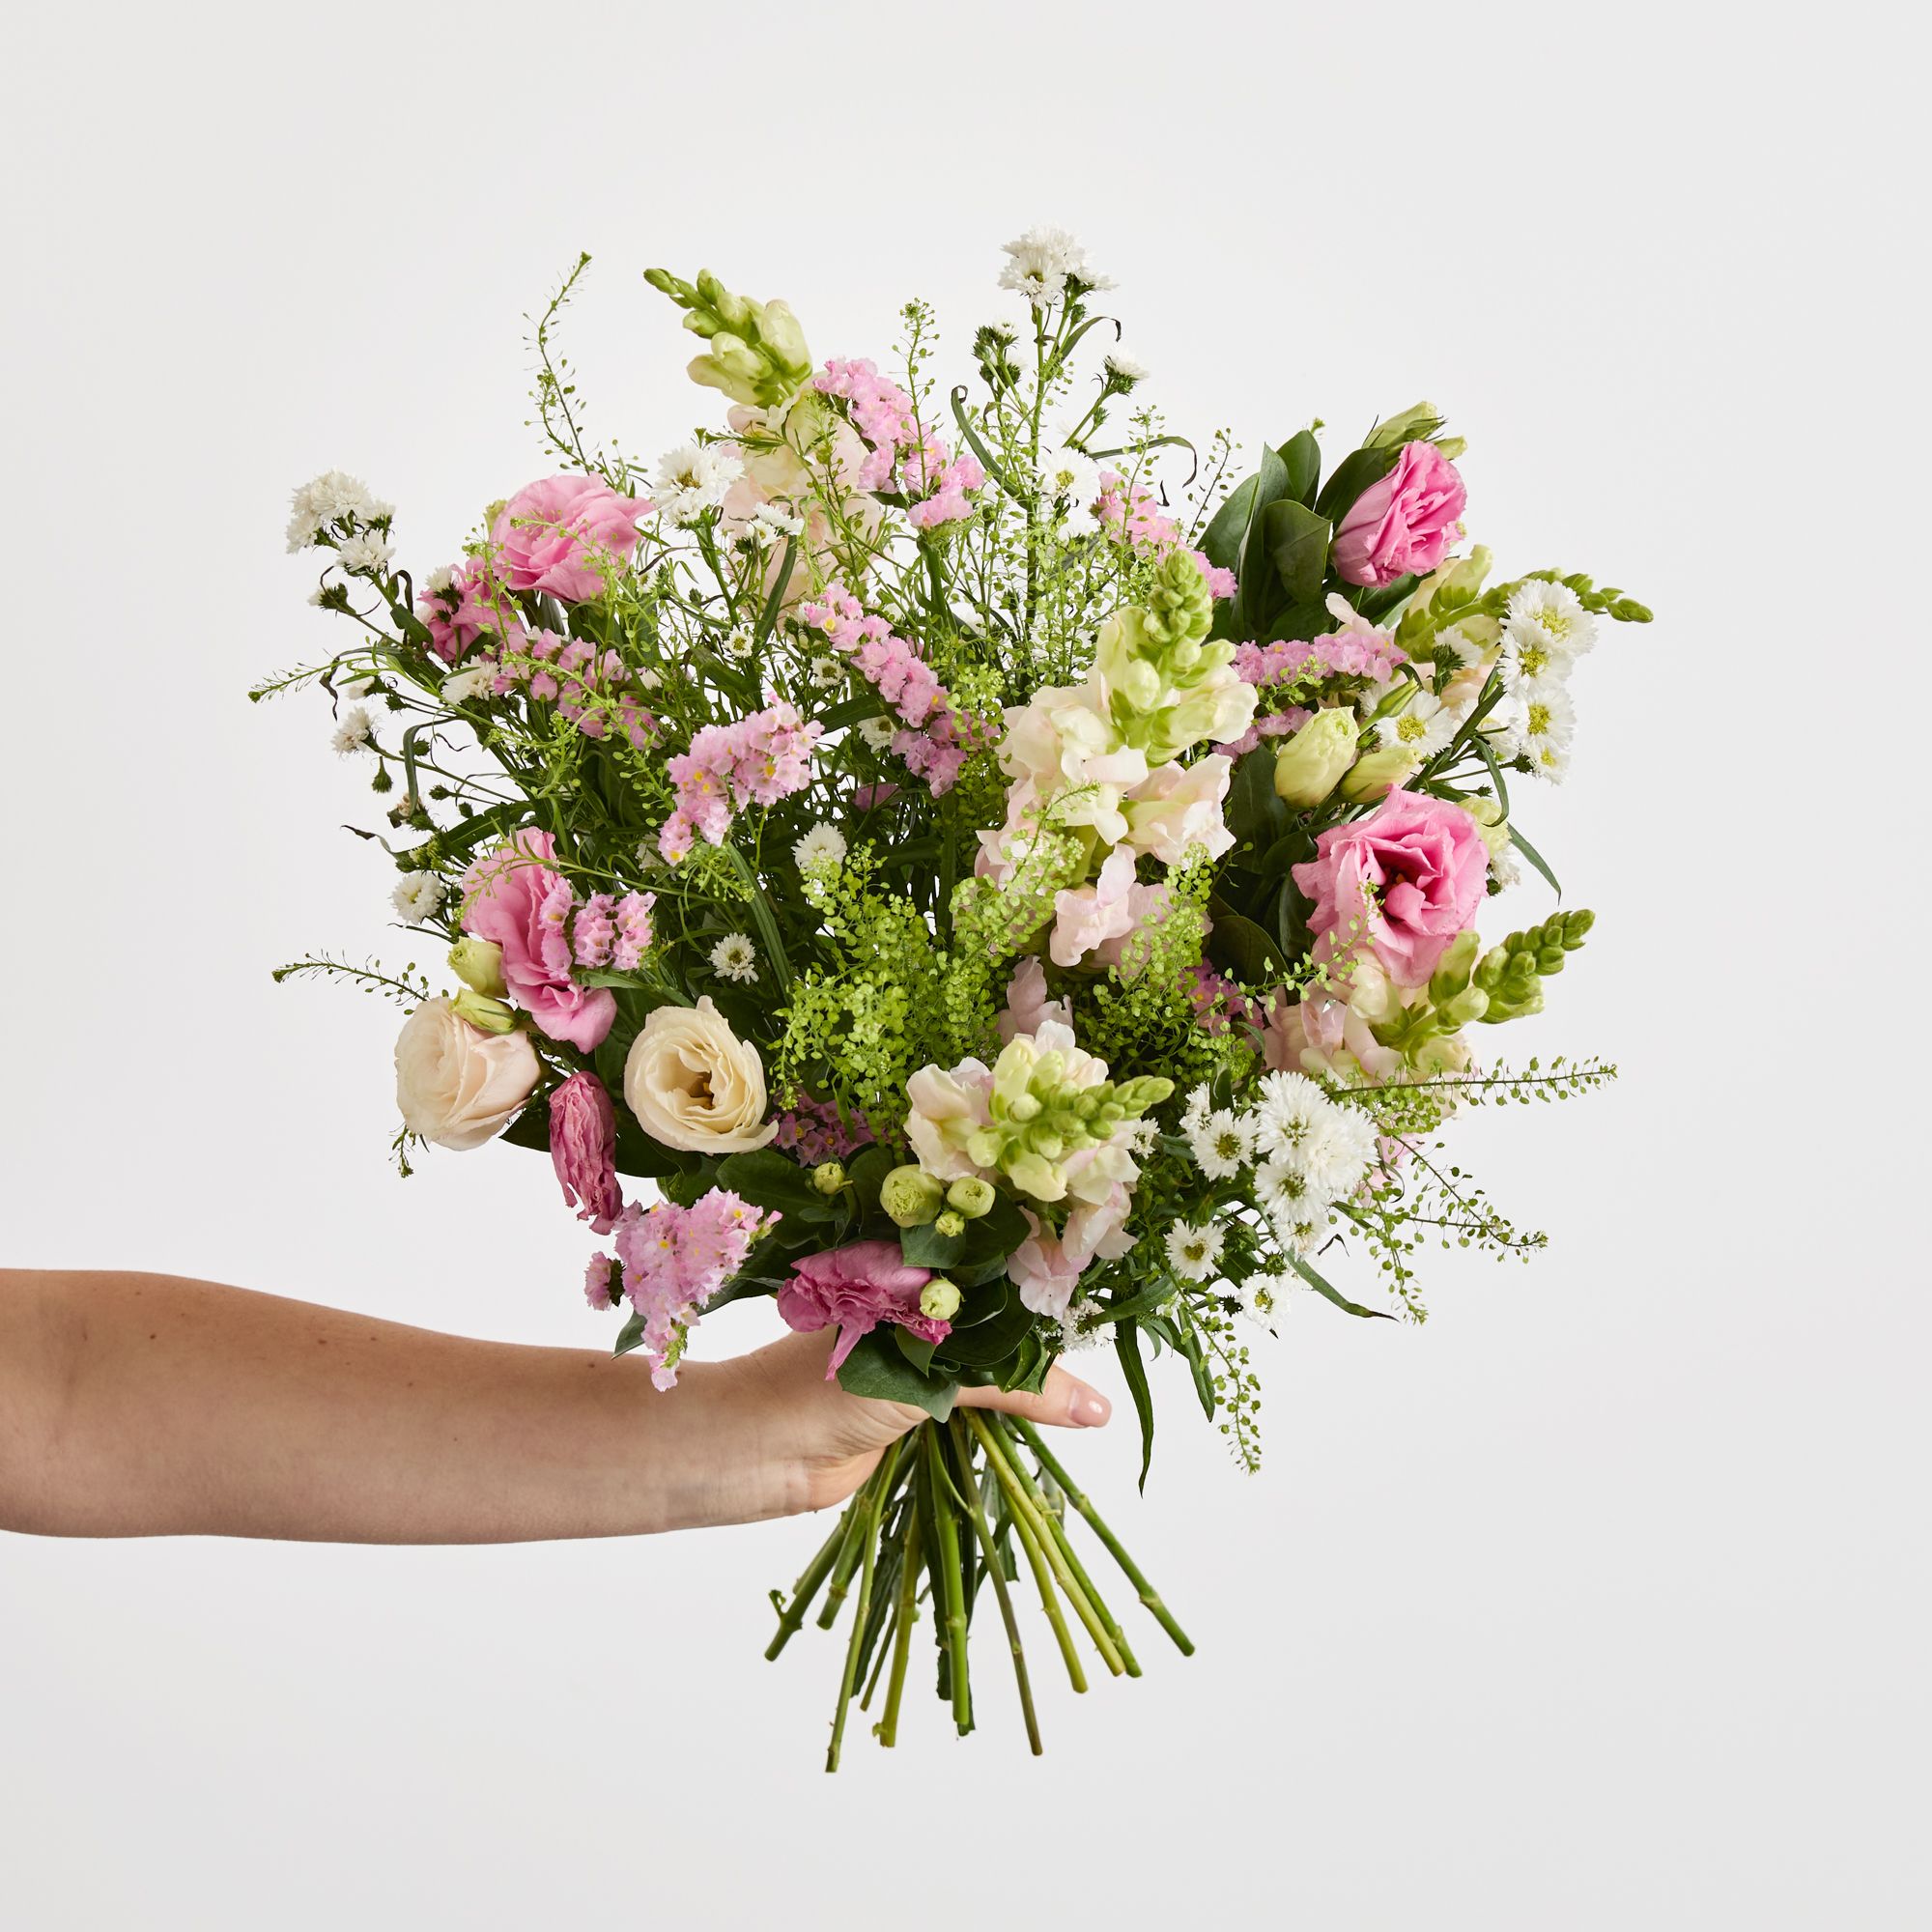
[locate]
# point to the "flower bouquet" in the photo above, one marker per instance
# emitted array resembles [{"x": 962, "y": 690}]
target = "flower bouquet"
[{"x": 1001, "y": 879}]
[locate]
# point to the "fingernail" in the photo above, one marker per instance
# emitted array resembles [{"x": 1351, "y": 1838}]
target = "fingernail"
[{"x": 1090, "y": 1408}]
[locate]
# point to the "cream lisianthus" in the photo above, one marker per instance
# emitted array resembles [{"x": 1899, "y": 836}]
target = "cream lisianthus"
[
  {"x": 694, "y": 1085},
  {"x": 455, "y": 1084}
]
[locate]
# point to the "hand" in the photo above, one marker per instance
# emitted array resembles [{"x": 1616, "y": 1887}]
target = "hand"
[{"x": 812, "y": 1444}]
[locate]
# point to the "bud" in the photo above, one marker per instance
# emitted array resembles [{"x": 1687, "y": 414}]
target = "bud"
[
  {"x": 479, "y": 964},
  {"x": 1418, "y": 420},
  {"x": 950, "y": 1222},
  {"x": 1373, "y": 776},
  {"x": 1489, "y": 822},
  {"x": 1312, "y": 762},
  {"x": 910, "y": 1196},
  {"x": 1453, "y": 969},
  {"x": 939, "y": 1299},
  {"x": 971, "y": 1197},
  {"x": 828, "y": 1176},
  {"x": 1470, "y": 1004},
  {"x": 485, "y": 1014}
]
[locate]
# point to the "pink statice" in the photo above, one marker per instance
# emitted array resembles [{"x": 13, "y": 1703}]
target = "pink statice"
[
  {"x": 597, "y": 1273},
  {"x": 903, "y": 456},
  {"x": 471, "y": 605},
  {"x": 811, "y": 1131},
  {"x": 675, "y": 1259},
  {"x": 631, "y": 918},
  {"x": 584, "y": 1149},
  {"x": 1133, "y": 516},
  {"x": 1272, "y": 724},
  {"x": 592, "y": 689},
  {"x": 1356, "y": 650},
  {"x": 857, "y": 1287},
  {"x": 758, "y": 761},
  {"x": 593, "y": 930},
  {"x": 939, "y": 751},
  {"x": 892, "y": 665},
  {"x": 1216, "y": 1000}
]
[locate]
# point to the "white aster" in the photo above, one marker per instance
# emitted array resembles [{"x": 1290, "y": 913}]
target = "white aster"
[
  {"x": 1081, "y": 1327},
  {"x": 1194, "y": 1252},
  {"x": 1548, "y": 722},
  {"x": 770, "y": 518},
  {"x": 1290, "y": 1108},
  {"x": 735, "y": 958},
  {"x": 737, "y": 643},
  {"x": 1126, "y": 368},
  {"x": 824, "y": 845},
  {"x": 1557, "y": 612},
  {"x": 1423, "y": 727},
  {"x": 646, "y": 679},
  {"x": 352, "y": 730},
  {"x": 1505, "y": 868},
  {"x": 1265, "y": 1295},
  {"x": 1200, "y": 1104},
  {"x": 693, "y": 478},
  {"x": 1043, "y": 261},
  {"x": 461, "y": 686},
  {"x": 1286, "y": 1189},
  {"x": 1301, "y": 1227},
  {"x": 1340, "y": 1151},
  {"x": 326, "y": 500},
  {"x": 417, "y": 897},
  {"x": 1222, "y": 1144},
  {"x": 441, "y": 580},
  {"x": 364, "y": 551},
  {"x": 827, "y": 673},
  {"x": 879, "y": 733}
]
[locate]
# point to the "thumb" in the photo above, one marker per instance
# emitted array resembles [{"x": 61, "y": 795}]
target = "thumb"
[{"x": 1064, "y": 1402}]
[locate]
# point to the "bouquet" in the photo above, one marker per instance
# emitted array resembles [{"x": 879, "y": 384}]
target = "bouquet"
[{"x": 976, "y": 866}]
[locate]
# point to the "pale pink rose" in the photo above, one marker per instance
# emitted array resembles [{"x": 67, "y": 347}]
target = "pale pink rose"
[
  {"x": 858, "y": 1286},
  {"x": 1177, "y": 807},
  {"x": 1403, "y": 881},
  {"x": 1027, "y": 1007},
  {"x": 1046, "y": 1267},
  {"x": 565, "y": 535},
  {"x": 584, "y": 1149},
  {"x": 1089, "y": 916},
  {"x": 1404, "y": 523},
  {"x": 455, "y": 1084},
  {"x": 515, "y": 898},
  {"x": 949, "y": 1106}
]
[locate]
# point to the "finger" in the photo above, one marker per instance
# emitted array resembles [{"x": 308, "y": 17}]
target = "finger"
[{"x": 1065, "y": 1401}]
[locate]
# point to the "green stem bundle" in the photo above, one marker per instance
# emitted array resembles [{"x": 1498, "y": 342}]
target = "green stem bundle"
[{"x": 944, "y": 1510}]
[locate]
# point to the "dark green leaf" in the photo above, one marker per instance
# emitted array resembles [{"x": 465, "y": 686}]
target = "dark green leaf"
[
  {"x": 1297, "y": 540},
  {"x": 1246, "y": 949},
  {"x": 915, "y": 1348},
  {"x": 1128, "y": 1345},
  {"x": 989, "y": 1342},
  {"x": 768, "y": 1179},
  {"x": 629, "y": 1336},
  {"x": 1535, "y": 858},
  {"x": 1352, "y": 475},
  {"x": 875, "y": 1368},
  {"x": 926, "y": 1247},
  {"x": 1255, "y": 814},
  {"x": 1308, "y": 1273}
]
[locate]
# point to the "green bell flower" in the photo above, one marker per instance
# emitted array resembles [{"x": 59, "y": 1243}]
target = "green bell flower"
[{"x": 1312, "y": 763}]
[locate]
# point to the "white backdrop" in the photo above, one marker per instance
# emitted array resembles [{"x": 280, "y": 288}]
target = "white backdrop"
[{"x": 1597, "y": 1601}]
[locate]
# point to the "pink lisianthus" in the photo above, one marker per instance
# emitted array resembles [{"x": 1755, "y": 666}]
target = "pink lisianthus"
[
  {"x": 471, "y": 605},
  {"x": 1404, "y": 882},
  {"x": 513, "y": 898},
  {"x": 1027, "y": 1008},
  {"x": 1404, "y": 523},
  {"x": 1046, "y": 1267},
  {"x": 565, "y": 535},
  {"x": 584, "y": 1149},
  {"x": 857, "y": 1287}
]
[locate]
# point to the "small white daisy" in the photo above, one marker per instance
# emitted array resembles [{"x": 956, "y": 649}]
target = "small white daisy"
[
  {"x": 1284, "y": 1187},
  {"x": 352, "y": 730},
  {"x": 769, "y": 519},
  {"x": 1290, "y": 1108},
  {"x": 824, "y": 845},
  {"x": 418, "y": 896},
  {"x": 1043, "y": 261},
  {"x": 1124, "y": 368},
  {"x": 1548, "y": 723},
  {"x": 1557, "y": 612},
  {"x": 826, "y": 673},
  {"x": 1200, "y": 1103},
  {"x": 1505, "y": 868},
  {"x": 1138, "y": 1137},
  {"x": 1265, "y": 1295},
  {"x": 1081, "y": 1327},
  {"x": 1006, "y": 331},
  {"x": 326, "y": 500},
  {"x": 440, "y": 580},
  {"x": 737, "y": 643},
  {"x": 693, "y": 478},
  {"x": 461, "y": 686},
  {"x": 364, "y": 552},
  {"x": 735, "y": 958},
  {"x": 1194, "y": 1252},
  {"x": 879, "y": 733},
  {"x": 355, "y": 689},
  {"x": 1301, "y": 1226},
  {"x": 1423, "y": 727},
  {"x": 1340, "y": 1151},
  {"x": 1222, "y": 1144}
]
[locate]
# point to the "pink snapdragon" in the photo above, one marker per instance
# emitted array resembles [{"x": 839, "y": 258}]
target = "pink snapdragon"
[
  {"x": 566, "y": 535},
  {"x": 758, "y": 761},
  {"x": 903, "y": 456},
  {"x": 1027, "y": 1008},
  {"x": 1046, "y": 1267},
  {"x": 1401, "y": 883},
  {"x": 858, "y": 1286},
  {"x": 513, "y": 897},
  {"x": 675, "y": 1259},
  {"x": 584, "y": 1149}
]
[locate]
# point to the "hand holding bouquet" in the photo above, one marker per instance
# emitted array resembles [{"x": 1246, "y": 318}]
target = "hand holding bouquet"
[{"x": 999, "y": 883}]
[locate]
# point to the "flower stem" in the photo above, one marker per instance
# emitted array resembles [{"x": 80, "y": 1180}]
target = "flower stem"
[
  {"x": 1020, "y": 1517},
  {"x": 1149, "y": 1594},
  {"x": 996, "y": 1571},
  {"x": 1041, "y": 1528},
  {"x": 792, "y": 1615},
  {"x": 1058, "y": 1531},
  {"x": 849, "y": 1561},
  {"x": 875, "y": 1492},
  {"x": 887, "y": 1729},
  {"x": 953, "y": 1627}
]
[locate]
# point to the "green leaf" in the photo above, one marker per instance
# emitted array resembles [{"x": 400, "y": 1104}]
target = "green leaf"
[
  {"x": 1297, "y": 540},
  {"x": 530, "y": 1128},
  {"x": 867, "y": 1170},
  {"x": 1301, "y": 458},
  {"x": 986, "y": 1343},
  {"x": 915, "y": 1348},
  {"x": 1128, "y": 1345},
  {"x": 1535, "y": 858},
  {"x": 1308, "y": 1273},
  {"x": 1255, "y": 814},
  {"x": 926, "y": 1247},
  {"x": 768, "y": 1179},
  {"x": 1302, "y": 621},
  {"x": 876, "y": 1369},
  {"x": 1246, "y": 949},
  {"x": 629, "y": 1336}
]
